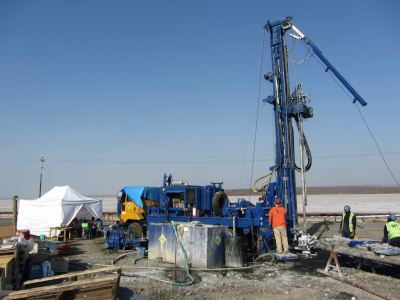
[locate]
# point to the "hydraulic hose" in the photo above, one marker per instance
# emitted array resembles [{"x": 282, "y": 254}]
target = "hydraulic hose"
[{"x": 308, "y": 151}]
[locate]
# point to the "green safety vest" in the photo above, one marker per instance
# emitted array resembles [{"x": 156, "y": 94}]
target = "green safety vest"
[
  {"x": 393, "y": 230},
  {"x": 85, "y": 225},
  {"x": 350, "y": 221}
]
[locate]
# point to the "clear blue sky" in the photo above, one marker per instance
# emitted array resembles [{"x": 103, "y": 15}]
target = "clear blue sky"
[{"x": 117, "y": 93}]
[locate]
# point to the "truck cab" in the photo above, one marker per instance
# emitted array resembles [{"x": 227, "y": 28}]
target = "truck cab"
[{"x": 132, "y": 207}]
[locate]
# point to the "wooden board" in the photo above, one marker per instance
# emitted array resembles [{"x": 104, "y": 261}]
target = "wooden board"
[
  {"x": 72, "y": 276},
  {"x": 87, "y": 289},
  {"x": 7, "y": 264},
  {"x": 341, "y": 247},
  {"x": 7, "y": 231}
]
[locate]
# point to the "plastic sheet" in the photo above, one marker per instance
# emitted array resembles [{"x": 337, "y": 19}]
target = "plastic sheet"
[
  {"x": 387, "y": 251},
  {"x": 355, "y": 243}
]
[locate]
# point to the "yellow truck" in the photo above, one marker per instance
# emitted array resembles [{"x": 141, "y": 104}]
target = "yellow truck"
[{"x": 132, "y": 206}]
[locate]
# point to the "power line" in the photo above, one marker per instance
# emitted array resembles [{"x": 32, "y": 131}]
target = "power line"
[
  {"x": 206, "y": 162},
  {"x": 132, "y": 160}
]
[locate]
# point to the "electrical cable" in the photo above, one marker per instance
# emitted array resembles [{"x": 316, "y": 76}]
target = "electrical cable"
[
  {"x": 384, "y": 160},
  {"x": 258, "y": 107},
  {"x": 236, "y": 161},
  {"x": 248, "y": 130},
  {"x": 18, "y": 163},
  {"x": 298, "y": 63}
]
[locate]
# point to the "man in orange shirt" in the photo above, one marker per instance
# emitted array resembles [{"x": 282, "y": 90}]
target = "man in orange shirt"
[{"x": 277, "y": 218}]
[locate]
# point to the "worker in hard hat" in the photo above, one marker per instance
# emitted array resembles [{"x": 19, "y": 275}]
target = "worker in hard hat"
[
  {"x": 391, "y": 232},
  {"x": 348, "y": 224},
  {"x": 277, "y": 222}
]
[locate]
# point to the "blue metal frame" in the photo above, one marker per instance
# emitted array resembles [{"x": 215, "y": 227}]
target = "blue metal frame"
[{"x": 244, "y": 215}]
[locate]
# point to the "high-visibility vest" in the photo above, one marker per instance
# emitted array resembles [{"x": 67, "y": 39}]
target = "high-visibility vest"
[
  {"x": 393, "y": 230},
  {"x": 350, "y": 221},
  {"x": 85, "y": 225}
]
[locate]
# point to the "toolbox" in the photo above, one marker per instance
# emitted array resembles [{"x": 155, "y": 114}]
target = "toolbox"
[
  {"x": 62, "y": 249},
  {"x": 51, "y": 245}
]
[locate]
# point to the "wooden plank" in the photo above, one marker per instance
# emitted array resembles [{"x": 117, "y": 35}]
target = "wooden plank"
[
  {"x": 7, "y": 264},
  {"x": 79, "y": 285},
  {"x": 352, "y": 251},
  {"x": 69, "y": 275},
  {"x": 96, "y": 294}
]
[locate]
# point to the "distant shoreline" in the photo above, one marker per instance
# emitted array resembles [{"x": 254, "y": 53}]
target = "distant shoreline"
[{"x": 329, "y": 190}]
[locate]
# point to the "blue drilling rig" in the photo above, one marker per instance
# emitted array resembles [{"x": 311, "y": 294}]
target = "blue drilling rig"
[{"x": 180, "y": 202}]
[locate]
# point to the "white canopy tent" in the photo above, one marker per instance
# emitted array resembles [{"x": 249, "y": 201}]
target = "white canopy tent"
[{"x": 58, "y": 206}]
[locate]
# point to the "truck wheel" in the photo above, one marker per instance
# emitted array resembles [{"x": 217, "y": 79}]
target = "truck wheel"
[
  {"x": 218, "y": 202},
  {"x": 136, "y": 230}
]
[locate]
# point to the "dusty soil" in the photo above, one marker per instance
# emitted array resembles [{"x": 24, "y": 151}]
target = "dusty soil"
[{"x": 260, "y": 280}]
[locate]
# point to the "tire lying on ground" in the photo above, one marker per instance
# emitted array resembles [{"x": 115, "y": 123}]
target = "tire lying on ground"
[
  {"x": 136, "y": 230},
  {"x": 218, "y": 202}
]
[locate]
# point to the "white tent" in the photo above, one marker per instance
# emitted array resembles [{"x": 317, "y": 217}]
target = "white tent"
[{"x": 58, "y": 206}]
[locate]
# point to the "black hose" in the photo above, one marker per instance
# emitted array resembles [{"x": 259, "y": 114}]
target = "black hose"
[
  {"x": 252, "y": 233},
  {"x": 205, "y": 201},
  {"x": 308, "y": 151}
]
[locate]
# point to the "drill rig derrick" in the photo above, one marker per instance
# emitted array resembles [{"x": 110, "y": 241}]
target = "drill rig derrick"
[{"x": 288, "y": 107}]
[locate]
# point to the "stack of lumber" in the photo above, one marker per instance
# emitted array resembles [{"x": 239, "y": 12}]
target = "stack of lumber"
[
  {"x": 11, "y": 250},
  {"x": 77, "y": 285},
  {"x": 23, "y": 258}
]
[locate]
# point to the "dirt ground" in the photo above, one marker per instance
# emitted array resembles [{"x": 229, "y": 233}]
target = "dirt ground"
[
  {"x": 259, "y": 280},
  {"x": 263, "y": 279}
]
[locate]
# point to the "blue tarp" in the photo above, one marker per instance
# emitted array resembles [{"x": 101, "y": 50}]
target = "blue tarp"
[{"x": 135, "y": 193}]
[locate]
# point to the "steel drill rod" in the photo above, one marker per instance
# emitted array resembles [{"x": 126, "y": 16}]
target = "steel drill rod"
[{"x": 356, "y": 285}]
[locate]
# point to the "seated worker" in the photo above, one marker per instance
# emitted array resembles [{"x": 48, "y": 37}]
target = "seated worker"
[
  {"x": 391, "y": 232},
  {"x": 86, "y": 229},
  {"x": 93, "y": 227},
  {"x": 99, "y": 226},
  {"x": 74, "y": 226}
]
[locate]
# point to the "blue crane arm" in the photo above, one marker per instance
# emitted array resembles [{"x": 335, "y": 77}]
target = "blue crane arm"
[
  {"x": 285, "y": 24},
  {"x": 329, "y": 66}
]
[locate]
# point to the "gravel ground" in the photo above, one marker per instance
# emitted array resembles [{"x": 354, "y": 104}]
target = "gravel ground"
[{"x": 260, "y": 280}]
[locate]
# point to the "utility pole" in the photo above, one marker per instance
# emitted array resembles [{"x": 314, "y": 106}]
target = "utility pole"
[
  {"x": 41, "y": 171},
  {"x": 15, "y": 199}
]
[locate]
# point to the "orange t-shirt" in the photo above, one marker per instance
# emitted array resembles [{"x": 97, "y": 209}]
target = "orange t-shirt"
[{"x": 277, "y": 214}]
